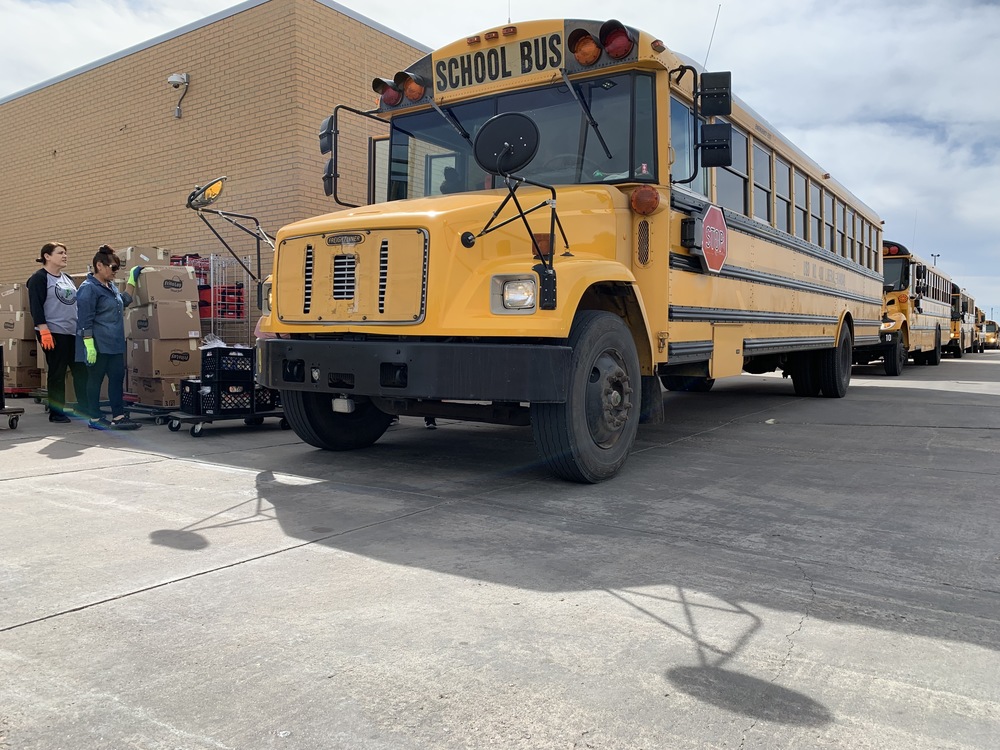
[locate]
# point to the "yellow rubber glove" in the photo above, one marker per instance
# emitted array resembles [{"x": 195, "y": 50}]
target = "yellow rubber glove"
[
  {"x": 91, "y": 351},
  {"x": 133, "y": 275}
]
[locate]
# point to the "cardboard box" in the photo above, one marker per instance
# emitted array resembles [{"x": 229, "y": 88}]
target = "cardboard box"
[
  {"x": 164, "y": 358},
  {"x": 20, "y": 352},
  {"x": 16, "y": 325},
  {"x": 163, "y": 320},
  {"x": 163, "y": 392},
  {"x": 145, "y": 256},
  {"x": 22, "y": 377},
  {"x": 167, "y": 284},
  {"x": 14, "y": 297}
]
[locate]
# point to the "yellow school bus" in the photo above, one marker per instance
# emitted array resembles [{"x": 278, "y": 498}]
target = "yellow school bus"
[
  {"x": 989, "y": 335},
  {"x": 562, "y": 215},
  {"x": 964, "y": 335},
  {"x": 978, "y": 326},
  {"x": 916, "y": 316}
]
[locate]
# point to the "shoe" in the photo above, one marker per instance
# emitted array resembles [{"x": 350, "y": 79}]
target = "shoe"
[
  {"x": 98, "y": 424},
  {"x": 394, "y": 420},
  {"x": 430, "y": 423},
  {"x": 55, "y": 416},
  {"x": 123, "y": 424}
]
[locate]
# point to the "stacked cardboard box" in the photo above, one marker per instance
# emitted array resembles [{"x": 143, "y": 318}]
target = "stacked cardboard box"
[
  {"x": 163, "y": 332},
  {"x": 17, "y": 336}
]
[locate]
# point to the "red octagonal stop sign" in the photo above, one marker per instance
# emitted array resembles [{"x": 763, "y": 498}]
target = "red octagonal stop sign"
[{"x": 714, "y": 240}]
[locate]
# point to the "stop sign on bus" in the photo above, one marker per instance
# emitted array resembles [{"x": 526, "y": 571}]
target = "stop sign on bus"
[{"x": 714, "y": 240}]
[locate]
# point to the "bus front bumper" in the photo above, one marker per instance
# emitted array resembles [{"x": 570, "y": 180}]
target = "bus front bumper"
[{"x": 417, "y": 370}]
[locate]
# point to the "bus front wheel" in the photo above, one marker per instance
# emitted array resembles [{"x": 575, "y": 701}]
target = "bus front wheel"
[
  {"x": 588, "y": 437},
  {"x": 312, "y": 417},
  {"x": 835, "y": 366},
  {"x": 895, "y": 360}
]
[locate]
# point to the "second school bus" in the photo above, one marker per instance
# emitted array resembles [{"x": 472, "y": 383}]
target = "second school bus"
[
  {"x": 563, "y": 215},
  {"x": 917, "y": 309}
]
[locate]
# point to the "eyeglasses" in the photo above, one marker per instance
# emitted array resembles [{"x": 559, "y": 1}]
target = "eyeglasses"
[{"x": 114, "y": 269}]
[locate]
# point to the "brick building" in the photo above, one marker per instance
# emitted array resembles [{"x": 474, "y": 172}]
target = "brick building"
[{"x": 97, "y": 155}]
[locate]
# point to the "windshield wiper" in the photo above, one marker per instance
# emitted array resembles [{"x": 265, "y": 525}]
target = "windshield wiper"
[
  {"x": 453, "y": 121},
  {"x": 586, "y": 112}
]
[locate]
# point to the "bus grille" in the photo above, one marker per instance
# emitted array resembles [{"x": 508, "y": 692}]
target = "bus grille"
[
  {"x": 344, "y": 279},
  {"x": 308, "y": 280},
  {"x": 383, "y": 273},
  {"x": 642, "y": 243}
]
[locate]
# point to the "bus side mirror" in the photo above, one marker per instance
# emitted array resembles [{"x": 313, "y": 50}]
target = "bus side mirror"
[
  {"x": 716, "y": 145},
  {"x": 326, "y": 136},
  {"x": 716, "y": 93},
  {"x": 328, "y": 177},
  {"x": 921, "y": 271}
]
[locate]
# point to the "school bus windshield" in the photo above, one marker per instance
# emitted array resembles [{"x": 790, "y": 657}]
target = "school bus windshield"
[
  {"x": 896, "y": 274},
  {"x": 428, "y": 156}
]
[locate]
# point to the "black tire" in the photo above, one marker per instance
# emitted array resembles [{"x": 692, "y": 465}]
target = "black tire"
[
  {"x": 159, "y": 421},
  {"x": 957, "y": 352},
  {"x": 804, "y": 371},
  {"x": 687, "y": 384},
  {"x": 934, "y": 357},
  {"x": 196, "y": 429},
  {"x": 12, "y": 422},
  {"x": 895, "y": 360},
  {"x": 588, "y": 438},
  {"x": 835, "y": 366},
  {"x": 174, "y": 425},
  {"x": 312, "y": 417}
]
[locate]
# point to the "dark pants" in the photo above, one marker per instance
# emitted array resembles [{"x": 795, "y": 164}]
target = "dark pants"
[
  {"x": 111, "y": 366},
  {"x": 59, "y": 359}
]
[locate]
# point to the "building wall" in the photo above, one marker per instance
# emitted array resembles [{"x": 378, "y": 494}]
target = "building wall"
[{"x": 100, "y": 158}]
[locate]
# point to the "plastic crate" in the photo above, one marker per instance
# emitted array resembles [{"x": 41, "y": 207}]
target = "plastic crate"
[
  {"x": 225, "y": 364},
  {"x": 265, "y": 399},
  {"x": 190, "y": 396},
  {"x": 227, "y": 399}
]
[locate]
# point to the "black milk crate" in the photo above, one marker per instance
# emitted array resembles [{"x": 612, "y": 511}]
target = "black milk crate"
[
  {"x": 227, "y": 399},
  {"x": 190, "y": 396},
  {"x": 264, "y": 399},
  {"x": 224, "y": 364}
]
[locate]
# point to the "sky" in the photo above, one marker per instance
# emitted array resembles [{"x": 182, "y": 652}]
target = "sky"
[{"x": 897, "y": 100}]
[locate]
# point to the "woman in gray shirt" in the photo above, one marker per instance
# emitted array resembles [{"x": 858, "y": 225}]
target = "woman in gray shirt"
[{"x": 52, "y": 296}]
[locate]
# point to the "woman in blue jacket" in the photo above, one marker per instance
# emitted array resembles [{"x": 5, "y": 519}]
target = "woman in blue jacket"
[{"x": 100, "y": 339}]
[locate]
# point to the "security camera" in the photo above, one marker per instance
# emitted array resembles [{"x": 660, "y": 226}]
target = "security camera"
[{"x": 178, "y": 79}]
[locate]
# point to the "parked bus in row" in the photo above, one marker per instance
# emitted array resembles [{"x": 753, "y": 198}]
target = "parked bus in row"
[
  {"x": 988, "y": 335},
  {"x": 561, "y": 216},
  {"x": 964, "y": 334},
  {"x": 980, "y": 321},
  {"x": 916, "y": 317}
]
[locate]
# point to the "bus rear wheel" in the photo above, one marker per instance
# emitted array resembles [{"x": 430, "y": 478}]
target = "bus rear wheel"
[
  {"x": 804, "y": 371},
  {"x": 895, "y": 360},
  {"x": 588, "y": 438},
  {"x": 933, "y": 358},
  {"x": 312, "y": 417},
  {"x": 835, "y": 366}
]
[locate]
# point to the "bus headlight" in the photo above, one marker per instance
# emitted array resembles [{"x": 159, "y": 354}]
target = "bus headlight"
[
  {"x": 519, "y": 294},
  {"x": 513, "y": 294},
  {"x": 265, "y": 298}
]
